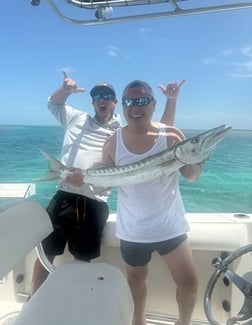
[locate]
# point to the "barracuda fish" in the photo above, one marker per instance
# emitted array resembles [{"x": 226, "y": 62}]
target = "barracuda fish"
[{"x": 191, "y": 151}]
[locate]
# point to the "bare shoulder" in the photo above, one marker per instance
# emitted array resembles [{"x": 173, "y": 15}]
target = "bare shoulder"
[
  {"x": 110, "y": 142},
  {"x": 108, "y": 152},
  {"x": 173, "y": 135}
]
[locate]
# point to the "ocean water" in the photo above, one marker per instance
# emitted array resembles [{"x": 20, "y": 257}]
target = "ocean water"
[{"x": 225, "y": 184}]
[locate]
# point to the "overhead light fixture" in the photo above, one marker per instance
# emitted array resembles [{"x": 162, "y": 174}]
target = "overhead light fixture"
[
  {"x": 35, "y": 2},
  {"x": 102, "y": 13}
]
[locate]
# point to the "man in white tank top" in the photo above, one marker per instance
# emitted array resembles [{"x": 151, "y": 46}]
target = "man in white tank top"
[{"x": 151, "y": 216}]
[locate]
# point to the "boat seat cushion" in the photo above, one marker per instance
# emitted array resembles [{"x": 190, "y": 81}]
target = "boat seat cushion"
[
  {"x": 80, "y": 293},
  {"x": 23, "y": 224}
]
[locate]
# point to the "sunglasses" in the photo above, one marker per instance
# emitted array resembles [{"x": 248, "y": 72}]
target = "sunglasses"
[
  {"x": 141, "y": 101},
  {"x": 106, "y": 97}
]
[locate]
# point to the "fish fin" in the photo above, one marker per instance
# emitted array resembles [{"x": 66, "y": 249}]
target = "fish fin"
[
  {"x": 50, "y": 176},
  {"x": 53, "y": 163},
  {"x": 99, "y": 191},
  {"x": 54, "y": 166}
]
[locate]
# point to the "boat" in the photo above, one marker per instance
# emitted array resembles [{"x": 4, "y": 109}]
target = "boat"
[
  {"x": 97, "y": 293},
  {"x": 100, "y": 12}
]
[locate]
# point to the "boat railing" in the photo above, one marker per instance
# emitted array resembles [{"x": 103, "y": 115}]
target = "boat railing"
[{"x": 99, "y": 12}]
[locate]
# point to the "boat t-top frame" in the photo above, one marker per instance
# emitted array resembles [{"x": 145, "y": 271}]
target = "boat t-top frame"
[{"x": 105, "y": 11}]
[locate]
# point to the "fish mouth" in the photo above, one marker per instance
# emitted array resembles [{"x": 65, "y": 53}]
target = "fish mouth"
[
  {"x": 213, "y": 137},
  {"x": 201, "y": 145}
]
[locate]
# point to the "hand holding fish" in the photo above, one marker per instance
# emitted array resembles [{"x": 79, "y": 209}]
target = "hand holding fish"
[
  {"x": 75, "y": 178},
  {"x": 171, "y": 91},
  {"x": 70, "y": 86}
]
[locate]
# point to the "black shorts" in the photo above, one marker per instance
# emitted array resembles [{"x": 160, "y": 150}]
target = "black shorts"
[
  {"x": 78, "y": 221},
  {"x": 139, "y": 254}
]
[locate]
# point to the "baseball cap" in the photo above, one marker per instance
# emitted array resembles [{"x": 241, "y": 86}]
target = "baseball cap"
[
  {"x": 101, "y": 87},
  {"x": 138, "y": 87}
]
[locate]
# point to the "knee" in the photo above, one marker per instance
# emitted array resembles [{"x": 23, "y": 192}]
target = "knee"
[
  {"x": 136, "y": 276},
  {"x": 134, "y": 279},
  {"x": 189, "y": 284}
]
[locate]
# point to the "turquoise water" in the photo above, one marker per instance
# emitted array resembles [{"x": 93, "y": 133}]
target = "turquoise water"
[{"x": 224, "y": 186}]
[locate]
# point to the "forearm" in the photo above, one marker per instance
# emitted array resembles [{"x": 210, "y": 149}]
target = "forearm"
[
  {"x": 59, "y": 96},
  {"x": 168, "y": 116},
  {"x": 191, "y": 172}
]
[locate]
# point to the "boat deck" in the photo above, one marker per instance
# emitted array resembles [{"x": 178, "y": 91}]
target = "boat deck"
[{"x": 9, "y": 311}]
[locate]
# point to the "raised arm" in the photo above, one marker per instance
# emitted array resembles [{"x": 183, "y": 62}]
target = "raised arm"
[
  {"x": 69, "y": 86},
  {"x": 171, "y": 91}
]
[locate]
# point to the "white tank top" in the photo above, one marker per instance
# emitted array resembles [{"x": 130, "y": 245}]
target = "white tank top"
[{"x": 153, "y": 211}]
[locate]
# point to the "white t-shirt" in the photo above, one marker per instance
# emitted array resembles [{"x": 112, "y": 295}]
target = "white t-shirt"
[
  {"x": 82, "y": 145},
  {"x": 153, "y": 211}
]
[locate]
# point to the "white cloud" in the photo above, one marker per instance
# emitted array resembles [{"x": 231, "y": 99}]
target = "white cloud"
[
  {"x": 112, "y": 51},
  {"x": 226, "y": 52},
  {"x": 208, "y": 60},
  {"x": 145, "y": 35},
  {"x": 247, "y": 50},
  {"x": 115, "y": 52},
  {"x": 240, "y": 75},
  {"x": 242, "y": 67}
]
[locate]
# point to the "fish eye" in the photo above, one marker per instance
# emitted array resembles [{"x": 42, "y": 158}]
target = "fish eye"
[{"x": 196, "y": 140}]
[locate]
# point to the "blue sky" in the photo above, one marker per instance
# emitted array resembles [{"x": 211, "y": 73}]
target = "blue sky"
[{"x": 212, "y": 51}]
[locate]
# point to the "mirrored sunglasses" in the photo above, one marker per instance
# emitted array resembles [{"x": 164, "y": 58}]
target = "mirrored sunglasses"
[
  {"x": 141, "y": 101},
  {"x": 107, "y": 97}
]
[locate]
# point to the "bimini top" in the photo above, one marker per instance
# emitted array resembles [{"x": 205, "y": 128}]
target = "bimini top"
[{"x": 98, "y": 12}]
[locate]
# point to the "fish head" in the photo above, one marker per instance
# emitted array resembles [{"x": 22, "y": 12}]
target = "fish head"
[{"x": 197, "y": 149}]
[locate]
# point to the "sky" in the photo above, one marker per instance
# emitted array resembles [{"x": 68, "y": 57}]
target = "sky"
[{"x": 212, "y": 51}]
